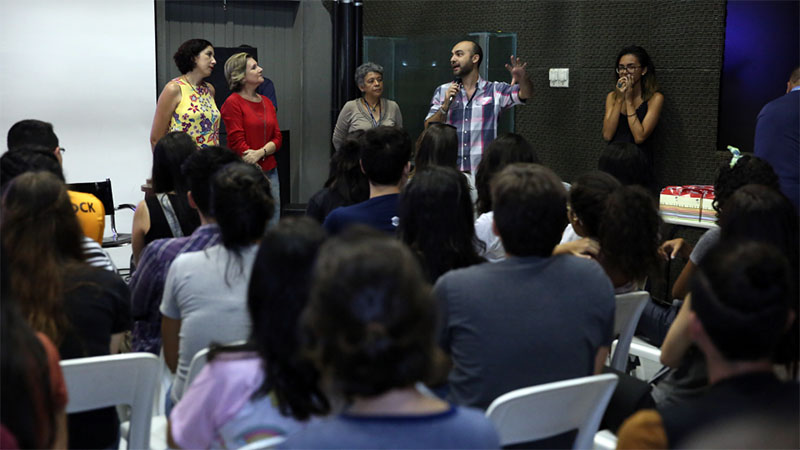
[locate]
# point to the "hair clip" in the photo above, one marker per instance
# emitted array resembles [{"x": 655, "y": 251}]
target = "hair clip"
[{"x": 736, "y": 155}]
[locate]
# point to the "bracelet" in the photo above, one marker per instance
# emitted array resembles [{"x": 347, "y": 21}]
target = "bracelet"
[
  {"x": 265, "y": 152},
  {"x": 443, "y": 110},
  {"x": 631, "y": 115}
]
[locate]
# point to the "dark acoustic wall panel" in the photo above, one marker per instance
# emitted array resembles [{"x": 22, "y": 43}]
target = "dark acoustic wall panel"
[{"x": 684, "y": 38}]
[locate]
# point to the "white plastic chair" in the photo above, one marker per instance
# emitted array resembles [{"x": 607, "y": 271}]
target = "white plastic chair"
[
  {"x": 649, "y": 359},
  {"x": 264, "y": 443},
  {"x": 102, "y": 381},
  {"x": 626, "y": 317},
  {"x": 543, "y": 411}
]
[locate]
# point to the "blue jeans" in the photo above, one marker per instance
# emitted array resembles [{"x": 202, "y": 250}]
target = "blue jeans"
[{"x": 275, "y": 189}]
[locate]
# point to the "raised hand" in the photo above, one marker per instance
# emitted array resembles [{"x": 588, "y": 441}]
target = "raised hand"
[{"x": 516, "y": 69}]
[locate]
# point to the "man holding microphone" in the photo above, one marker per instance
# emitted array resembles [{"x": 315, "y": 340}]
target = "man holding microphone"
[{"x": 473, "y": 105}]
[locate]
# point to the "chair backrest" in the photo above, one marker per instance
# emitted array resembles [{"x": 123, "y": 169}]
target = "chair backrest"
[
  {"x": 546, "y": 410},
  {"x": 101, "y": 190},
  {"x": 264, "y": 443},
  {"x": 626, "y": 317},
  {"x": 198, "y": 362},
  {"x": 124, "y": 379}
]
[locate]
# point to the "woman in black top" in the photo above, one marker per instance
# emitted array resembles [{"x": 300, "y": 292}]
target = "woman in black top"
[
  {"x": 82, "y": 309},
  {"x": 166, "y": 214}
]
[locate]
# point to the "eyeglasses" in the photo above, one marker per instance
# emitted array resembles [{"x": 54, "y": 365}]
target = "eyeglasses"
[
  {"x": 630, "y": 69},
  {"x": 62, "y": 149}
]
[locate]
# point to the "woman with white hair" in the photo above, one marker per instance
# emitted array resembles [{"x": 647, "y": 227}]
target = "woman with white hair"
[
  {"x": 251, "y": 121},
  {"x": 370, "y": 110}
]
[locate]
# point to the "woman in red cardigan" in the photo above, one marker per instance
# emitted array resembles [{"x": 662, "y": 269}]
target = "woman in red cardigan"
[{"x": 251, "y": 122}]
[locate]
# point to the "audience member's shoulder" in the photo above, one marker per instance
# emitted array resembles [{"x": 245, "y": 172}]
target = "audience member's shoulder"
[{"x": 481, "y": 431}]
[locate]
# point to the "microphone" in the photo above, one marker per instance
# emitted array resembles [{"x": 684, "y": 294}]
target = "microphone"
[{"x": 455, "y": 80}]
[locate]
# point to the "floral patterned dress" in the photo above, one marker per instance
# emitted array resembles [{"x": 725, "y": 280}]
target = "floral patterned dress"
[{"x": 197, "y": 114}]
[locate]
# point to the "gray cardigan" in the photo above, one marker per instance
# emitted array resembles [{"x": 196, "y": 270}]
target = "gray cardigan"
[{"x": 355, "y": 116}]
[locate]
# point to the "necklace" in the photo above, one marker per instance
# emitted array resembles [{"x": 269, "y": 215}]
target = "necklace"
[
  {"x": 194, "y": 88},
  {"x": 372, "y": 108}
]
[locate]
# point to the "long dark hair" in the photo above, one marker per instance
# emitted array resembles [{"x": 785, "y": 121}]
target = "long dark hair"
[
  {"x": 436, "y": 220},
  {"x": 648, "y": 80},
  {"x": 629, "y": 233},
  {"x": 242, "y": 204},
  {"x": 168, "y": 155},
  {"x": 436, "y": 146},
  {"x": 42, "y": 237},
  {"x": 25, "y": 381},
  {"x": 277, "y": 295},
  {"x": 346, "y": 178},
  {"x": 507, "y": 149}
]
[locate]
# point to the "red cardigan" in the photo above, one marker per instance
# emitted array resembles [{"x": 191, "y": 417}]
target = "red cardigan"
[{"x": 248, "y": 128}]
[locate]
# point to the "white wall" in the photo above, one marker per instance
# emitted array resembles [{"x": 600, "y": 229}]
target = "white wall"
[{"x": 88, "y": 67}]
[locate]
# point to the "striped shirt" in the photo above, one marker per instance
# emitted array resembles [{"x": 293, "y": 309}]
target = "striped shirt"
[
  {"x": 96, "y": 256},
  {"x": 147, "y": 283},
  {"x": 476, "y": 119}
]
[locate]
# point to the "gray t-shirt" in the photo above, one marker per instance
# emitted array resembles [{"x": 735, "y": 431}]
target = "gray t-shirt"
[
  {"x": 457, "y": 427},
  {"x": 704, "y": 244},
  {"x": 207, "y": 292},
  {"x": 522, "y": 322}
]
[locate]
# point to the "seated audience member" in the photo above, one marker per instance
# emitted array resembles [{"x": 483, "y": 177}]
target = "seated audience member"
[
  {"x": 753, "y": 213},
  {"x": 739, "y": 311},
  {"x": 205, "y": 295},
  {"x": 436, "y": 221},
  {"x": 744, "y": 170},
  {"x": 34, "y": 394},
  {"x": 371, "y": 321},
  {"x": 34, "y": 159},
  {"x": 167, "y": 213},
  {"x": 507, "y": 149},
  {"x": 627, "y": 163},
  {"x": 625, "y": 222},
  {"x": 384, "y": 158},
  {"x": 82, "y": 309},
  {"x": 532, "y": 318},
  {"x": 147, "y": 282},
  {"x": 760, "y": 213},
  {"x": 347, "y": 184},
  {"x": 260, "y": 389},
  {"x": 437, "y": 145},
  {"x": 656, "y": 319},
  {"x": 35, "y": 133}
]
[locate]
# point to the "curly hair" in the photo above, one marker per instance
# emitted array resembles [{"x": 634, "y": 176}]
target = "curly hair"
[
  {"x": 629, "y": 232},
  {"x": 363, "y": 70},
  {"x": 187, "y": 52},
  {"x": 587, "y": 199},
  {"x": 508, "y": 148},
  {"x": 42, "y": 237},
  {"x": 371, "y": 317},
  {"x": 747, "y": 170},
  {"x": 436, "y": 221}
]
